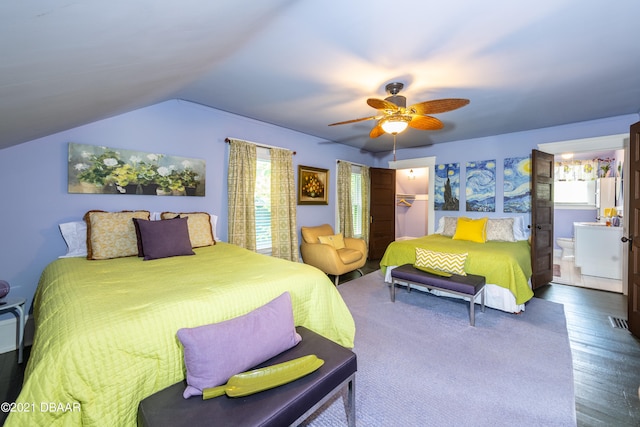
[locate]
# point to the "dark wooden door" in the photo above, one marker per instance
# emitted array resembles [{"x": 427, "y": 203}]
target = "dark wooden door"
[
  {"x": 382, "y": 230},
  {"x": 541, "y": 218},
  {"x": 632, "y": 216}
]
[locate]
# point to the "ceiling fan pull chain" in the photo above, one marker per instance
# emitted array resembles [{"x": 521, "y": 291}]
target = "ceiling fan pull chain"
[{"x": 394, "y": 147}]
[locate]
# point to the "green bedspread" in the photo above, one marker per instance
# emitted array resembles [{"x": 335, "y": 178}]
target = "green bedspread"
[
  {"x": 506, "y": 264},
  {"x": 106, "y": 330}
]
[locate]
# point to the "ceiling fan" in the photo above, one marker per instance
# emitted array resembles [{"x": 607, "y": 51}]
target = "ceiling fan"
[{"x": 394, "y": 116}]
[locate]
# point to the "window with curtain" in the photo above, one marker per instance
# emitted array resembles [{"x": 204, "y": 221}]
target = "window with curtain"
[
  {"x": 353, "y": 200},
  {"x": 262, "y": 200}
]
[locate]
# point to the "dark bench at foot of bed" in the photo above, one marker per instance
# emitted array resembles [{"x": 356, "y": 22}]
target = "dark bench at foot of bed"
[
  {"x": 289, "y": 404},
  {"x": 467, "y": 286}
]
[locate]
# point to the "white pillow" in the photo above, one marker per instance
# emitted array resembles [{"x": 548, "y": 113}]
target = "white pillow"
[
  {"x": 75, "y": 236},
  {"x": 520, "y": 231}
]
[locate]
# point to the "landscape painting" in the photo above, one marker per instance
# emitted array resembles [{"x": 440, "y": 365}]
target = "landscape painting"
[
  {"x": 447, "y": 187},
  {"x": 517, "y": 184},
  {"x": 480, "y": 188}
]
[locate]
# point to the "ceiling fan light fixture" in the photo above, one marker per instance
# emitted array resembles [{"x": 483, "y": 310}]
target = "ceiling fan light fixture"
[{"x": 395, "y": 124}]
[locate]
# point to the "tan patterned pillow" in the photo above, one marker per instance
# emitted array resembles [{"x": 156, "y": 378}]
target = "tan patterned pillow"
[
  {"x": 451, "y": 263},
  {"x": 450, "y": 224},
  {"x": 500, "y": 229},
  {"x": 112, "y": 234},
  {"x": 199, "y": 224}
]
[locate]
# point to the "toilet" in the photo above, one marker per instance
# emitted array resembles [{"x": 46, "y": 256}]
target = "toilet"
[{"x": 566, "y": 243}]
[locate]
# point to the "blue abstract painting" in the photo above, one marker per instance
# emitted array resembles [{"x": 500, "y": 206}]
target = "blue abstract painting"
[
  {"x": 517, "y": 184},
  {"x": 481, "y": 186},
  {"x": 447, "y": 187}
]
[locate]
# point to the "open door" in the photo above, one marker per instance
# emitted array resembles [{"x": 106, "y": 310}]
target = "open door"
[
  {"x": 632, "y": 218},
  {"x": 541, "y": 218},
  {"x": 382, "y": 230}
]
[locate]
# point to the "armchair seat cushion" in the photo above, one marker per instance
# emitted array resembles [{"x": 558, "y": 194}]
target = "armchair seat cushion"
[{"x": 349, "y": 256}]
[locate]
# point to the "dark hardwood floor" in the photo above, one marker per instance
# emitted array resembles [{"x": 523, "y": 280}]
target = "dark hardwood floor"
[{"x": 606, "y": 360}]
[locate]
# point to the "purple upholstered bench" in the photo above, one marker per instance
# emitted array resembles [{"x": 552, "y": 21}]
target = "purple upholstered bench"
[
  {"x": 467, "y": 286},
  {"x": 289, "y": 404}
]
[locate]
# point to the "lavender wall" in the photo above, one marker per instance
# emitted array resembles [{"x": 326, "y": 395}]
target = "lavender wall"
[
  {"x": 34, "y": 176},
  {"x": 564, "y": 218}
]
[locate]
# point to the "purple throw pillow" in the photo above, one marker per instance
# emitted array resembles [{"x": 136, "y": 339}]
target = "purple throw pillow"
[
  {"x": 214, "y": 353},
  {"x": 162, "y": 239}
]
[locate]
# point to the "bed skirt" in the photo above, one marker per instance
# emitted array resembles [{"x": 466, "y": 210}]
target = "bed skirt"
[{"x": 496, "y": 296}]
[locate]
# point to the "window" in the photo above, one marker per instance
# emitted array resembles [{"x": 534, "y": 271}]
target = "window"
[
  {"x": 263, "y": 201},
  {"x": 356, "y": 200}
]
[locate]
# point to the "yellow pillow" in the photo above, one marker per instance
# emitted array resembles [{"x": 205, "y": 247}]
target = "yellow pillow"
[
  {"x": 450, "y": 263},
  {"x": 473, "y": 230},
  {"x": 337, "y": 241}
]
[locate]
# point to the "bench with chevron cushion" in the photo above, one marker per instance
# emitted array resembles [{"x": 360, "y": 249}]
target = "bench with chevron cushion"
[{"x": 469, "y": 285}]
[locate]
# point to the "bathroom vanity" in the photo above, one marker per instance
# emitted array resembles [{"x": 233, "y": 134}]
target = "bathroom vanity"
[{"x": 598, "y": 249}]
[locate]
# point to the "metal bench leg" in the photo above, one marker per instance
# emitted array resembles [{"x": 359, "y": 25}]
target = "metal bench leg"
[
  {"x": 472, "y": 315},
  {"x": 393, "y": 291},
  {"x": 351, "y": 402}
]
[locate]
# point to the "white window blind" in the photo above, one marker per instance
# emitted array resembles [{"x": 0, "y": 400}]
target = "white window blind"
[
  {"x": 263, "y": 201},
  {"x": 356, "y": 201}
]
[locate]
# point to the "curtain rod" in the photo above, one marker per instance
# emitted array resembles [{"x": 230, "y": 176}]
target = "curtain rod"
[
  {"x": 353, "y": 163},
  {"x": 228, "y": 140}
]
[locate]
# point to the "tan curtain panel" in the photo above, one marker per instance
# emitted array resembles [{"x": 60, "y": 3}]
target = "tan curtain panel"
[
  {"x": 366, "y": 211},
  {"x": 241, "y": 184},
  {"x": 345, "y": 217},
  {"x": 284, "y": 236}
]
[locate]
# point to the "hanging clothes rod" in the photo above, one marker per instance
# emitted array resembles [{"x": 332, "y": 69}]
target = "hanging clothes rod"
[
  {"x": 228, "y": 140},
  {"x": 353, "y": 163}
]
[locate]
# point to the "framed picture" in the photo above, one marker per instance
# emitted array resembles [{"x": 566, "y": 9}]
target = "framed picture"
[{"x": 313, "y": 186}]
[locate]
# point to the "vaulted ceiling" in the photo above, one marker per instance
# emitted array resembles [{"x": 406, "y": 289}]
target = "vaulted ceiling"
[{"x": 305, "y": 64}]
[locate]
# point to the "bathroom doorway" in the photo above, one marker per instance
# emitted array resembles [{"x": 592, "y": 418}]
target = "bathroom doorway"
[{"x": 585, "y": 162}]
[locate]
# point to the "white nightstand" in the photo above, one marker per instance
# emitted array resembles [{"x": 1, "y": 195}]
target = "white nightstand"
[{"x": 16, "y": 305}]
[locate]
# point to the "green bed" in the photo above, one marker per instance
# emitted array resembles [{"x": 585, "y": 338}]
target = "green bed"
[
  {"x": 106, "y": 330},
  {"x": 505, "y": 265}
]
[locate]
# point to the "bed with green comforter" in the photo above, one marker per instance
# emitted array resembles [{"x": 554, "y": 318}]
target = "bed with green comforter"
[
  {"x": 106, "y": 330},
  {"x": 506, "y": 266}
]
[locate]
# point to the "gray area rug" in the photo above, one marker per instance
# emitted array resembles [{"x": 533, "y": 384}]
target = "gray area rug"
[{"x": 421, "y": 364}]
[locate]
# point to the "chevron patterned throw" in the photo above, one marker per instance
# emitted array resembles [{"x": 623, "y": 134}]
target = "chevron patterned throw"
[{"x": 452, "y": 263}]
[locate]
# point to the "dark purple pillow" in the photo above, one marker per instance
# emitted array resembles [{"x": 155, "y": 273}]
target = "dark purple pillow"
[
  {"x": 162, "y": 239},
  {"x": 214, "y": 353}
]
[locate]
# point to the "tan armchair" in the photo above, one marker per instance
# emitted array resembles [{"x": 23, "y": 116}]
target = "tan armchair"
[{"x": 329, "y": 259}]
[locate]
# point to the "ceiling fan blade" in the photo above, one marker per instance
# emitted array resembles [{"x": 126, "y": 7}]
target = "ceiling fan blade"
[
  {"x": 376, "y": 131},
  {"x": 381, "y": 104},
  {"x": 438, "y": 106},
  {"x": 425, "y": 123},
  {"x": 355, "y": 120}
]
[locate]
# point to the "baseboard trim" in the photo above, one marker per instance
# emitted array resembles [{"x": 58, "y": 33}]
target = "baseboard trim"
[{"x": 9, "y": 334}]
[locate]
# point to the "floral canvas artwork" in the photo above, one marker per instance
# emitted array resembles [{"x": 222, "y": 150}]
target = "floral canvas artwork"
[
  {"x": 480, "y": 188},
  {"x": 517, "y": 184},
  {"x": 447, "y": 187},
  {"x": 103, "y": 170},
  {"x": 312, "y": 186}
]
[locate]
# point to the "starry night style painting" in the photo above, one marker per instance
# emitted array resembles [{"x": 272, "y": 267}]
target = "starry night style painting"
[
  {"x": 517, "y": 184},
  {"x": 481, "y": 186},
  {"x": 447, "y": 187}
]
